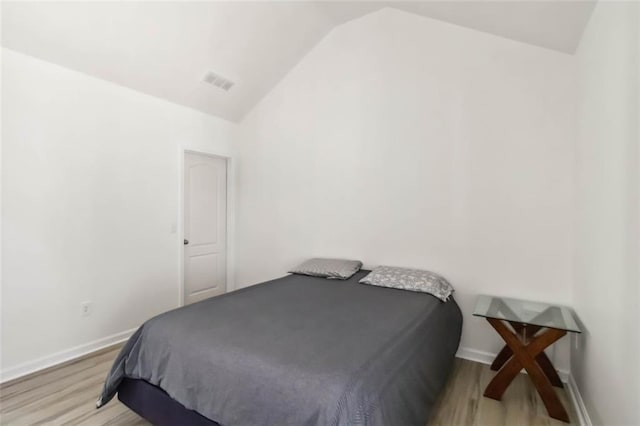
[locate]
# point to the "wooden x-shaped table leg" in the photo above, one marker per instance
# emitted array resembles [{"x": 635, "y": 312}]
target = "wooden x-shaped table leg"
[
  {"x": 527, "y": 332},
  {"x": 527, "y": 355}
]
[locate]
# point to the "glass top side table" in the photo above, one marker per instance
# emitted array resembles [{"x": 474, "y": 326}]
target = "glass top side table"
[{"x": 527, "y": 328}]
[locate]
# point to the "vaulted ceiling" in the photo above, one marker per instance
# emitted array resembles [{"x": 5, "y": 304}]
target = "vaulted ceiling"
[{"x": 165, "y": 48}]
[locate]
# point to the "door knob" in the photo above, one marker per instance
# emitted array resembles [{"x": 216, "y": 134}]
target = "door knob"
[{"x": 186, "y": 241}]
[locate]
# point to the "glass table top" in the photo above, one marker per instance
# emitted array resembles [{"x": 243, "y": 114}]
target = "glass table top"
[{"x": 526, "y": 312}]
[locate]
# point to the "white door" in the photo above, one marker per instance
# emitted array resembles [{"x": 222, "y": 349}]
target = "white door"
[{"x": 205, "y": 227}]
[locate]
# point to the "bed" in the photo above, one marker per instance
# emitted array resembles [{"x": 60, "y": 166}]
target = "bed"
[{"x": 297, "y": 350}]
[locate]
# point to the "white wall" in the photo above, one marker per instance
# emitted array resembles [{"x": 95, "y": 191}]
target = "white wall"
[
  {"x": 406, "y": 141},
  {"x": 605, "y": 364},
  {"x": 90, "y": 174}
]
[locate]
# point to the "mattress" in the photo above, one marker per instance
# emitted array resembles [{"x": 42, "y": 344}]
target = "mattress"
[{"x": 299, "y": 350}]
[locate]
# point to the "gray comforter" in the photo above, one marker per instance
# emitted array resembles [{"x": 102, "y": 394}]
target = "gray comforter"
[{"x": 299, "y": 351}]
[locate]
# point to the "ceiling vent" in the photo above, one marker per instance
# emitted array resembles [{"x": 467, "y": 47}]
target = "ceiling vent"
[{"x": 218, "y": 81}]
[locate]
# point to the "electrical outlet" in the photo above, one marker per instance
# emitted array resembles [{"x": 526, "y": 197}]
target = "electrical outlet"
[{"x": 86, "y": 308}]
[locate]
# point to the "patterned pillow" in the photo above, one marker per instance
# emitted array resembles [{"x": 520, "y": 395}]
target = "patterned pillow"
[
  {"x": 339, "y": 269},
  {"x": 410, "y": 279}
]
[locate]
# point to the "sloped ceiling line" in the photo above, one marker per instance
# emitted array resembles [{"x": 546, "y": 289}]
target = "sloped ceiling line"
[{"x": 165, "y": 48}]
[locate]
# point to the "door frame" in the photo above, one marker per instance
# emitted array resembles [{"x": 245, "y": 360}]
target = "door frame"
[{"x": 230, "y": 284}]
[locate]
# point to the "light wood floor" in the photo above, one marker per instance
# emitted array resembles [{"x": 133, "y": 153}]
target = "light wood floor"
[
  {"x": 67, "y": 394},
  {"x": 462, "y": 403}
]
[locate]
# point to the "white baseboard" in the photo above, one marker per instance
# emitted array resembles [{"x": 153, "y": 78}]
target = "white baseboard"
[
  {"x": 62, "y": 356},
  {"x": 476, "y": 355},
  {"x": 484, "y": 357},
  {"x": 578, "y": 403}
]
